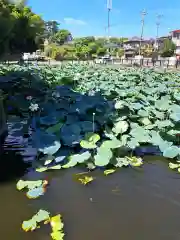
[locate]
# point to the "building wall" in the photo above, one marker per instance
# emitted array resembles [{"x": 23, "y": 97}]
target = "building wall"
[{"x": 176, "y": 38}]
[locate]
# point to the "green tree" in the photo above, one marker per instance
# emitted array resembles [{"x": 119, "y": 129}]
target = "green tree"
[
  {"x": 168, "y": 48},
  {"x": 61, "y": 37},
  {"x": 19, "y": 27},
  {"x": 51, "y": 28},
  {"x": 101, "y": 51}
]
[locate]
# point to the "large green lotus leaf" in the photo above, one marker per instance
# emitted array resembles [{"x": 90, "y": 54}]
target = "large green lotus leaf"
[
  {"x": 163, "y": 145},
  {"x": 114, "y": 143},
  {"x": 119, "y": 104},
  {"x": 140, "y": 134},
  {"x": 48, "y": 120},
  {"x": 171, "y": 152},
  {"x": 173, "y": 132},
  {"x": 84, "y": 157},
  {"x": 145, "y": 121},
  {"x": 35, "y": 193},
  {"x": 120, "y": 127},
  {"x": 177, "y": 96},
  {"x": 175, "y": 108},
  {"x": 162, "y": 104},
  {"x": 71, "y": 134},
  {"x": 87, "y": 145},
  {"x": 143, "y": 113},
  {"x": 46, "y": 143},
  {"x": 108, "y": 133},
  {"x": 163, "y": 124},
  {"x": 124, "y": 139},
  {"x": 133, "y": 143},
  {"x": 103, "y": 156},
  {"x": 62, "y": 154},
  {"x": 92, "y": 137},
  {"x": 175, "y": 116},
  {"x": 156, "y": 139},
  {"x": 90, "y": 141},
  {"x": 137, "y": 106},
  {"x": 87, "y": 126},
  {"x": 77, "y": 158},
  {"x": 41, "y": 216},
  {"x": 158, "y": 114},
  {"x": 55, "y": 128},
  {"x": 29, "y": 184},
  {"x": 72, "y": 118}
]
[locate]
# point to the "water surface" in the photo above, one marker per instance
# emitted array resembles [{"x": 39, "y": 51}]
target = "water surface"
[{"x": 130, "y": 204}]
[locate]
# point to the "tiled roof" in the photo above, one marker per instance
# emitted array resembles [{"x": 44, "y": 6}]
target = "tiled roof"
[{"x": 176, "y": 31}]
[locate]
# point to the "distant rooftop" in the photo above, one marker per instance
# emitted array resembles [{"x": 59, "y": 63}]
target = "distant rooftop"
[{"x": 176, "y": 31}]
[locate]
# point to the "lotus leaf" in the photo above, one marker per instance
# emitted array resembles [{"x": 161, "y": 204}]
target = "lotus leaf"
[
  {"x": 90, "y": 141},
  {"x": 174, "y": 165},
  {"x": 119, "y": 105},
  {"x": 55, "y": 129},
  {"x": 32, "y": 224},
  {"x": 35, "y": 192},
  {"x": 77, "y": 158},
  {"x": 109, "y": 171},
  {"x": 48, "y": 120},
  {"x": 175, "y": 116},
  {"x": 43, "y": 169},
  {"x": 103, "y": 156},
  {"x": 177, "y": 96},
  {"x": 85, "y": 179},
  {"x": 122, "y": 162},
  {"x": 120, "y": 127},
  {"x": 143, "y": 113},
  {"x": 46, "y": 143},
  {"x": 162, "y": 104},
  {"x": 135, "y": 161},
  {"x": 21, "y": 184},
  {"x": 114, "y": 143},
  {"x": 145, "y": 121},
  {"x": 71, "y": 134},
  {"x": 171, "y": 152}
]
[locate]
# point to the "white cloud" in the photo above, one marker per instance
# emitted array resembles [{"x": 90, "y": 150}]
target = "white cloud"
[{"x": 73, "y": 21}]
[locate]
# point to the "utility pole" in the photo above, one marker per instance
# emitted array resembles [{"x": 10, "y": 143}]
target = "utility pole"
[
  {"x": 143, "y": 14},
  {"x": 159, "y": 16},
  {"x": 109, "y": 8}
]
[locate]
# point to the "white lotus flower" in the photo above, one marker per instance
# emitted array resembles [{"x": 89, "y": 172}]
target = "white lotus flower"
[
  {"x": 29, "y": 98},
  {"x": 33, "y": 107}
]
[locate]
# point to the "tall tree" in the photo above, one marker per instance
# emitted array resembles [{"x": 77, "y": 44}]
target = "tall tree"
[
  {"x": 61, "y": 37},
  {"x": 168, "y": 48},
  {"x": 51, "y": 28}
]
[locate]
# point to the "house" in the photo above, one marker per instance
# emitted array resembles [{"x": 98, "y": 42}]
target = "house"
[
  {"x": 160, "y": 42},
  {"x": 175, "y": 36},
  {"x": 131, "y": 47}
]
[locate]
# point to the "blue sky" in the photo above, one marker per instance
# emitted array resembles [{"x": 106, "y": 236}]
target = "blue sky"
[{"x": 89, "y": 17}]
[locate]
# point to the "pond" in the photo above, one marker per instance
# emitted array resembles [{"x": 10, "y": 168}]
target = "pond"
[{"x": 129, "y": 204}]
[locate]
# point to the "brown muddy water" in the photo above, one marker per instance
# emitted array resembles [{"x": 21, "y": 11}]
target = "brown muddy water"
[{"x": 131, "y": 204}]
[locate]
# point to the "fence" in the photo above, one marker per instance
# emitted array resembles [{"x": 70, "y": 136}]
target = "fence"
[{"x": 146, "y": 62}]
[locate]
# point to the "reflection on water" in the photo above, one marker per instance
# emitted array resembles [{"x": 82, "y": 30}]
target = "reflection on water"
[{"x": 130, "y": 204}]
